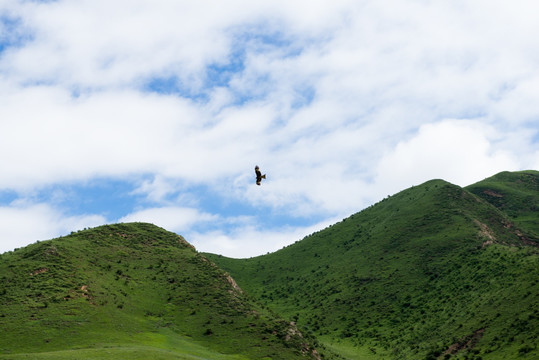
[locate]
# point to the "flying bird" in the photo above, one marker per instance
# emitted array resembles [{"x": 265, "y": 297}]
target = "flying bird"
[{"x": 259, "y": 175}]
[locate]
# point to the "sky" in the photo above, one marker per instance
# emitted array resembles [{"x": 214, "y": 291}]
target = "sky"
[{"x": 158, "y": 110}]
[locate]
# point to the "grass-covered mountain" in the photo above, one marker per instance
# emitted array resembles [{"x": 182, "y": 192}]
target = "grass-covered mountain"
[
  {"x": 434, "y": 272},
  {"x": 132, "y": 291},
  {"x": 516, "y": 194}
]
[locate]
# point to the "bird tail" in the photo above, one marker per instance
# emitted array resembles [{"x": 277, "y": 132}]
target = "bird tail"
[{"x": 264, "y": 176}]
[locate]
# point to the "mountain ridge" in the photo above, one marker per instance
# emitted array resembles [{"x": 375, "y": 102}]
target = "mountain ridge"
[{"x": 400, "y": 279}]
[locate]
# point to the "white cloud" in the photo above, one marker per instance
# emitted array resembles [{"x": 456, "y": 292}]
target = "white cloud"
[
  {"x": 248, "y": 240},
  {"x": 457, "y": 151},
  {"x": 157, "y": 189},
  {"x": 47, "y": 136},
  {"x": 98, "y": 43},
  {"x": 24, "y": 223},
  {"x": 388, "y": 69},
  {"x": 341, "y": 102},
  {"x": 171, "y": 218}
]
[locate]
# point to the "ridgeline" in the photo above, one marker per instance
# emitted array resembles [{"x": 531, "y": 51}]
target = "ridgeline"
[{"x": 434, "y": 272}]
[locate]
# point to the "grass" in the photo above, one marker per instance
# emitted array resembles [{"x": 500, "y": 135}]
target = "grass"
[
  {"x": 516, "y": 194},
  {"x": 165, "y": 345},
  {"x": 122, "y": 352}
]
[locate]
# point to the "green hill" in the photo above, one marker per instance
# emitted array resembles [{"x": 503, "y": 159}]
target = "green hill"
[
  {"x": 132, "y": 291},
  {"x": 433, "y": 272},
  {"x": 514, "y": 193}
]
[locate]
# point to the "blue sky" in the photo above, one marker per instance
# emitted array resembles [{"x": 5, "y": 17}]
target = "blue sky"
[{"x": 159, "y": 110}]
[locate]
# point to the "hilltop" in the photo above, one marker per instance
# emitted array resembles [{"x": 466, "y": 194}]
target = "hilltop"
[
  {"x": 434, "y": 272},
  {"x": 132, "y": 291},
  {"x": 514, "y": 193}
]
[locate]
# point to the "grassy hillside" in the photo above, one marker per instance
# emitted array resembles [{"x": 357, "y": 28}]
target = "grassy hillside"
[
  {"x": 514, "y": 193},
  {"x": 132, "y": 291},
  {"x": 433, "y": 272}
]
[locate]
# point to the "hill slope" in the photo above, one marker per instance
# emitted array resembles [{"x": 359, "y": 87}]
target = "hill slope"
[
  {"x": 514, "y": 193},
  {"x": 431, "y": 272},
  {"x": 131, "y": 291}
]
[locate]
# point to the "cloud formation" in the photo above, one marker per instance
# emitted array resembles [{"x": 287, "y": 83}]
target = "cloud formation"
[
  {"x": 341, "y": 102},
  {"x": 24, "y": 223}
]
